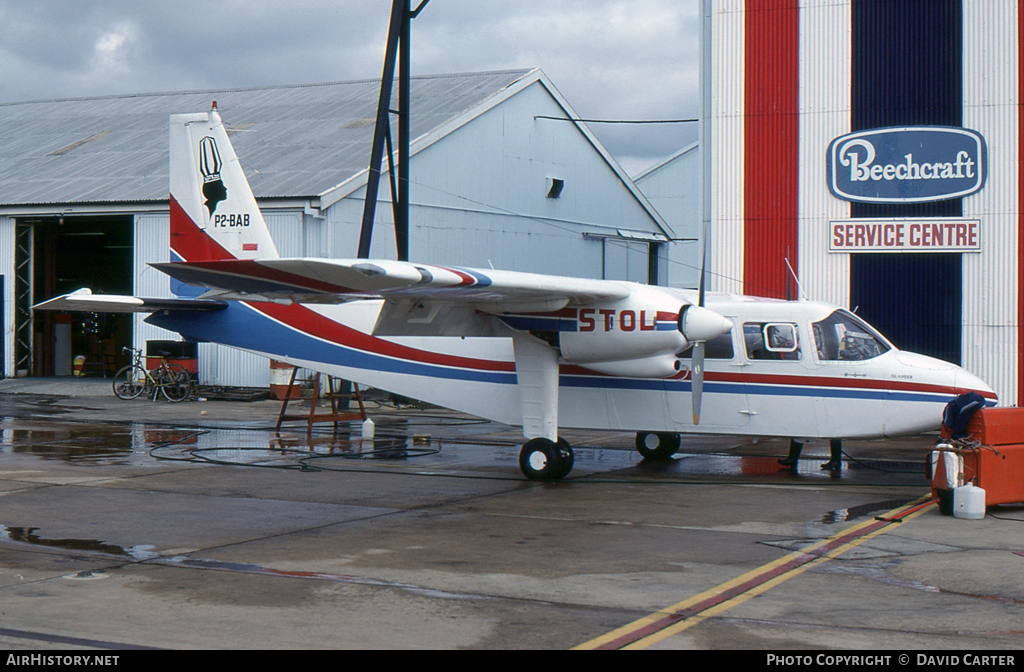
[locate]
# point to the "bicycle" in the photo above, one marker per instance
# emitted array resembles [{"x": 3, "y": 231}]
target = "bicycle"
[{"x": 171, "y": 380}]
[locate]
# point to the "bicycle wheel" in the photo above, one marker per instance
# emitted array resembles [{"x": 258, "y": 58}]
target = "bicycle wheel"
[
  {"x": 129, "y": 382},
  {"x": 175, "y": 383}
]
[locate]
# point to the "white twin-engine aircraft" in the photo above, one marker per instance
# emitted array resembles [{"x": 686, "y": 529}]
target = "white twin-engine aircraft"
[{"x": 540, "y": 351}]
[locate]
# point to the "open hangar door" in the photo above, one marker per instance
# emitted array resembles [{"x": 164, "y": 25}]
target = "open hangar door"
[{"x": 69, "y": 253}]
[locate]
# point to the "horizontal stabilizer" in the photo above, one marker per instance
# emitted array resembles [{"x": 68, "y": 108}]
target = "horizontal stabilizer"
[{"x": 84, "y": 300}]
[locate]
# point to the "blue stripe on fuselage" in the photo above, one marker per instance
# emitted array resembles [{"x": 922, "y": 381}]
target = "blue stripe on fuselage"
[{"x": 241, "y": 326}]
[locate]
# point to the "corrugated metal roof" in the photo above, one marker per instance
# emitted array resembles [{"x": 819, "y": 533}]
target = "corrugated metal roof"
[{"x": 294, "y": 141}]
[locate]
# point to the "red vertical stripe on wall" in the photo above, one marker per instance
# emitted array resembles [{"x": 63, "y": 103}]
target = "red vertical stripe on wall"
[{"x": 771, "y": 145}]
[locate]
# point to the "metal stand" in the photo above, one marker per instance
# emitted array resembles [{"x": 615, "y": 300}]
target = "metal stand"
[{"x": 333, "y": 394}]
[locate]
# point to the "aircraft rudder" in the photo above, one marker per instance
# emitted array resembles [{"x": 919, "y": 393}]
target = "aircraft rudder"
[{"x": 213, "y": 213}]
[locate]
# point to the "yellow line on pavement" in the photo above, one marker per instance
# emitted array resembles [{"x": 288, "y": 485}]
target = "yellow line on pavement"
[{"x": 678, "y": 617}]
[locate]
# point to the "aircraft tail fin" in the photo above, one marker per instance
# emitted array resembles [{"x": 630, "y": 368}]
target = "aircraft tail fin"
[{"x": 214, "y": 216}]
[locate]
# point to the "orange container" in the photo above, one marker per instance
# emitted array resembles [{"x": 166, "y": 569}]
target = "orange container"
[
  {"x": 999, "y": 470},
  {"x": 996, "y": 426},
  {"x": 1001, "y": 473}
]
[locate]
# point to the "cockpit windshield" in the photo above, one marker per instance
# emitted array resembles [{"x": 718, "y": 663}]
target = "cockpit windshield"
[{"x": 842, "y": 336}]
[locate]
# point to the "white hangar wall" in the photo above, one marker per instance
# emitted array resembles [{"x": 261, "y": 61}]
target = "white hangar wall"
[
  {"x": 991, "y": 281},
  {"x": 478, "y": 197},
  {"x": 7, "y": 242},
  {"x": 813, "y": 44},
  {"x": 673, "y": 188}
]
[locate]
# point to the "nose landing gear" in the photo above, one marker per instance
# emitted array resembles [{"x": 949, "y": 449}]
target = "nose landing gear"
[{"x": 657, "y": 445}]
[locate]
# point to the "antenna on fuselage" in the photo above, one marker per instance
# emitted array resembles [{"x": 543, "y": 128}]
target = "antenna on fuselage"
[{"x": 801, "y": 294}]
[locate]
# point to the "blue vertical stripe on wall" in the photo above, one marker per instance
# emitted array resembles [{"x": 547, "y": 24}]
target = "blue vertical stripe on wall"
[
  {"x": 913, "y": 299},
  {"x": 907, "y": 70}
]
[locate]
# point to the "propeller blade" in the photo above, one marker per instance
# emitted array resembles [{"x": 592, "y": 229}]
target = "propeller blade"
[
  {"x": 697, "y": 372},
  {"x": 697, "y": 379},
  {"x": 703, "y": 260}
]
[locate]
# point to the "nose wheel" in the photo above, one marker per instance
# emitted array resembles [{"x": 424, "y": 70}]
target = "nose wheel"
[
  {"x": 657, "y": 445},
  {"x": 545, "y": 460}
]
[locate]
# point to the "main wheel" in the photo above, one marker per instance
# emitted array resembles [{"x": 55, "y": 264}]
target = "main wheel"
[
  {"x": 129, "y": 382},
  {"x": 541, "y": 460},
  {"x": 657, "y": 445},
  {"x": 176, "y": 383},
  {"x": 567, "y": 457}
]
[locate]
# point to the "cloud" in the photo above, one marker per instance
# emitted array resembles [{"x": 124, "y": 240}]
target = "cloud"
[
  {"x": 609, "y": 58},
  {"x": 113, "y": 48}
]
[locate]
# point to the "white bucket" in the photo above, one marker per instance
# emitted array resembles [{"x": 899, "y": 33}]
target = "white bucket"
[{"x": 969, "y": 502}]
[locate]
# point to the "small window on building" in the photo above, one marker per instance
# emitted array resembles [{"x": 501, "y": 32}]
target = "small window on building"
[
  {"x": 555, "y": 187},
  {"x": 717, "y": 348},
  {"x": 771, "y": 340}
]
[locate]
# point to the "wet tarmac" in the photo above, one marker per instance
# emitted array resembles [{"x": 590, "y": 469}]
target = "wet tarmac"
[{"x": 197, "y": 526}]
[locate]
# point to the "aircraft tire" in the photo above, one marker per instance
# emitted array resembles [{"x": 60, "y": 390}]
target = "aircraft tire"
[
  {"x": 541, "y": 460},
  {"x": 567, "y": 457},
  {"x": 657, "y": 445}
]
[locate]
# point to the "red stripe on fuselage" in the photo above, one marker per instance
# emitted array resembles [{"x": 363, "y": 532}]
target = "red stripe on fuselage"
[
  {"x": 308, "y": 321},
  {"x": 303, "y": 319},
  {"x": 830, "y": 381}
]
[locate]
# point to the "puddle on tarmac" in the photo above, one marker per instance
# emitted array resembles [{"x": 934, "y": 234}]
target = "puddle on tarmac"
[
  {"x": 138, "y": 444},
  {"x": 843, "y": 515},
  {"x": 716, "y": 464},
  {"x": 30, "y": 535},
  {"x": 73, "y": 443}
]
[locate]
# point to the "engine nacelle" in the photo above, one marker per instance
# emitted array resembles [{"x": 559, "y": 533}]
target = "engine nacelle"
[
  {"x": 659, "y": 366},
  {"x": 645, "y": 324},
  {"x": 638, "y": 336}
]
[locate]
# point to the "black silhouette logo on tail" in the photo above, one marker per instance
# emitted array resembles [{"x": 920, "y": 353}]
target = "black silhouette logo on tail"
[{"x": 214, "y": 190}]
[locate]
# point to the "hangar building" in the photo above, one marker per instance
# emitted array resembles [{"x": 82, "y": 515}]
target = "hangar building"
[
  {"x": 875, "y": 144},
  {"x": 84, "y": 202},
  {"x": 673, "y": 188}
]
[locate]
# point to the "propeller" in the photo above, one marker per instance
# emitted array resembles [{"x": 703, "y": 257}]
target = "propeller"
[{"x": 697, "y": 374}]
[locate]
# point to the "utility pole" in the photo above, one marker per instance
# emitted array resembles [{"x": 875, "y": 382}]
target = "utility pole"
[{"x": 398, "y": 48}]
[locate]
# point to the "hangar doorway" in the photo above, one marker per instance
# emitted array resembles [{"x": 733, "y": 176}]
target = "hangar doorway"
[
  {"x": 68, "y": 253},
  {"x": 913, "y": 299}
]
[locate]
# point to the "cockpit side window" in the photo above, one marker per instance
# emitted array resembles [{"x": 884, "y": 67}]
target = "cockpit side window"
[
  {"x": 843, "y": 337},
  {"x": 771, "y": 340}
]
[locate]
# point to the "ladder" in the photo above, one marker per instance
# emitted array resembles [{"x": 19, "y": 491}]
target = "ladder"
[{"x": 336, "y": 397}]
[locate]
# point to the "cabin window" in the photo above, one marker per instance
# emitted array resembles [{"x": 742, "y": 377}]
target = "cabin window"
[
  {"x": 843, "y": 336},
  {"x": 771, "y": 340},
  {"x": 717, "y": 348}
]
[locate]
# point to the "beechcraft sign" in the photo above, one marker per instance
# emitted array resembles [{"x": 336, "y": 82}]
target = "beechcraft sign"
[{"x": 907, "y": 165}]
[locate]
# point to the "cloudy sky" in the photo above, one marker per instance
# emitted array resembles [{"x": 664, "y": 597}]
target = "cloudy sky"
[{"x": 611, "y": 59}]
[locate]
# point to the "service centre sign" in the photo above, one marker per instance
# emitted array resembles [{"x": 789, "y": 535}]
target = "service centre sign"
[
  {"x": 912, "y": 164},
  {"x": 905, "y": 235}
]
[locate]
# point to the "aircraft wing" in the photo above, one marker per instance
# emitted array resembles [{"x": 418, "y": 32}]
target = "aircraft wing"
[
  {"x": 340, "y": 280},
  {"x": 84, "y": 300}
]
